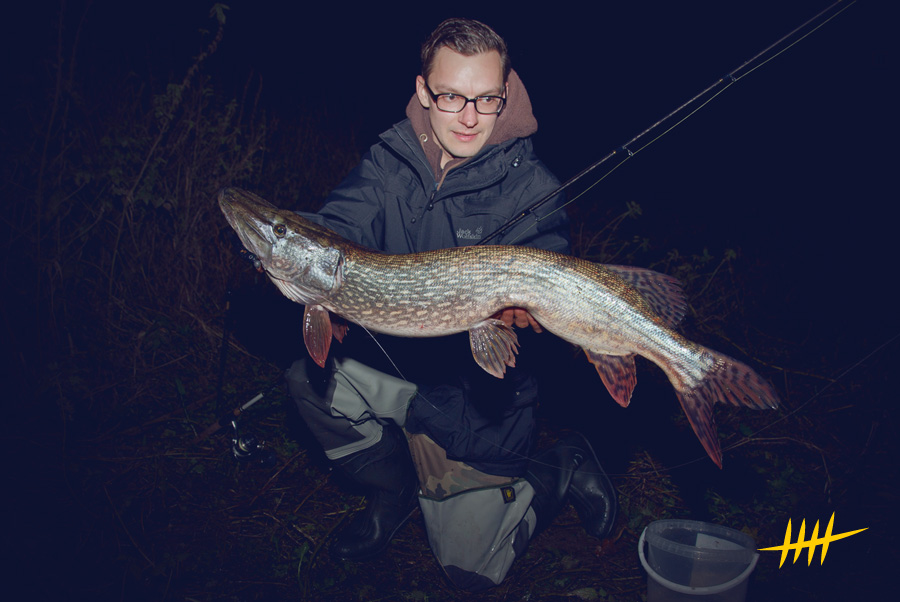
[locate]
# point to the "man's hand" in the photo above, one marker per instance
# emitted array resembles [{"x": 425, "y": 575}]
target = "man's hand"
[{"x": 518, "y": 317}]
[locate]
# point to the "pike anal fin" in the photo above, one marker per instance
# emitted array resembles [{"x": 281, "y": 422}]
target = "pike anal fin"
[
  {"x": 317, "y": 333},
  {"x": 494, "y": 346},
  {"x": 617, "y": 372}
]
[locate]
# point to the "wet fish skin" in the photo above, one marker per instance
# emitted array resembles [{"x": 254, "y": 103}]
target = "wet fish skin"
[{"x": 612, "y": 312}]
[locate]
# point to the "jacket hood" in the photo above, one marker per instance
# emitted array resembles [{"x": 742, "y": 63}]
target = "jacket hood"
[{"x": 516, "y": 121}]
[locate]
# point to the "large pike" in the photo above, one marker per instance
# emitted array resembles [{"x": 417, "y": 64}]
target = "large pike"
[{"x": 612, "y": 312}]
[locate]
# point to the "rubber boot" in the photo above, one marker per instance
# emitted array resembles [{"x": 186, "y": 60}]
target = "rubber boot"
[
  {"x": 386, "y": 472},
  {"x": 590, "y": 490},
  {"x": 550, "y": 474}
]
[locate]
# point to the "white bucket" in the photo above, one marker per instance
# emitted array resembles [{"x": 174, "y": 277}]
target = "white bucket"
[{"x": 687, "y": 559}]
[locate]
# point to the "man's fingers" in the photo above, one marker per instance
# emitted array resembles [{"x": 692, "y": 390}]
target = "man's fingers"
[
  {"x": 514, "y": 316},
  {"x": 523, "y": 319},
  {"x": 530, "y": 320}
]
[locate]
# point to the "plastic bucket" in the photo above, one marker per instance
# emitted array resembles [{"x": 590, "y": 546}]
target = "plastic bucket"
[{"x": 688, "y": 559}]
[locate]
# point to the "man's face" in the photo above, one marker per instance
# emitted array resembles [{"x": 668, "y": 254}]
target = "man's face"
[{"x": 461, "y": 134}]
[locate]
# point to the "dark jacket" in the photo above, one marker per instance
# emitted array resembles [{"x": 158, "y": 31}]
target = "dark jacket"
[
  {"x": 391, "y": 200},
  {"x": 396, "y": 202}
]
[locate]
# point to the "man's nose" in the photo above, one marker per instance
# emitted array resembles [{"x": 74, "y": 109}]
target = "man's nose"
[{"x": 469, "y": 116}]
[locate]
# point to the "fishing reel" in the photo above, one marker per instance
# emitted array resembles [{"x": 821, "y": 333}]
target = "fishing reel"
[{"x": 248, "y": 448}]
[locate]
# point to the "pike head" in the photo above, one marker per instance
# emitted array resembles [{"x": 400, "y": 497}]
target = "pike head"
[{"x": 300, "y": 257}]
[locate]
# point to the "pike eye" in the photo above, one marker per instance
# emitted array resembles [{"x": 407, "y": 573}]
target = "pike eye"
[{"x": 279, "y": 230}]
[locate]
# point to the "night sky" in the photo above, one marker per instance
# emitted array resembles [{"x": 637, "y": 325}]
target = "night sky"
[{"x": 789, "y": 166}]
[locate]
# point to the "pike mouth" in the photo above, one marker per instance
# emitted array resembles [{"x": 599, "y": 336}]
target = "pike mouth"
[{"x": 248, "y": 225}]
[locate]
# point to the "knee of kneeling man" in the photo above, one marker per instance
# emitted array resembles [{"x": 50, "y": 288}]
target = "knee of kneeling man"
[
  {"x": 296, "y": 378},
  {"x": 305, "y": 379}
]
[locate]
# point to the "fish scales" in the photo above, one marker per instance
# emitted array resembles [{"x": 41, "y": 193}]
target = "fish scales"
[
  {"x": 403, "y": 295},
  {"x": 612, "y": 312}
]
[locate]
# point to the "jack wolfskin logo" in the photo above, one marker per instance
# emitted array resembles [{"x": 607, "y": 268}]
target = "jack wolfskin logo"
[
  {"x": 466, "y": 234},
  {"x": 811, "y": 543}
]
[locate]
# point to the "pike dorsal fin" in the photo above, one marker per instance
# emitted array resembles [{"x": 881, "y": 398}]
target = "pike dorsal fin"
[{"x": 662, "y": 292}]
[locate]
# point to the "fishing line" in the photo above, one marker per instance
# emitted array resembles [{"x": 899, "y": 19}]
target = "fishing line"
[
  {"x": 833, "y": 382},
  {"x": 390, "y": 359},
  {"x": 746, "y": 439},
  {"x": 749, "y": 438},
  {"x": 625, "y": 152}
]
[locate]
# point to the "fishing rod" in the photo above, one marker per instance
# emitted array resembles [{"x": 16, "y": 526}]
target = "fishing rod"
[
  {"x": 244, "y": 446},
  {"x": 230, "y": 417},
  {"x": 625, "y": 152},
  {"x": 628, "y": 150}
]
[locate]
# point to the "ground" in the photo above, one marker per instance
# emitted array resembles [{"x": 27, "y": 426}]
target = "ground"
[{"x": 140, "y": 505}]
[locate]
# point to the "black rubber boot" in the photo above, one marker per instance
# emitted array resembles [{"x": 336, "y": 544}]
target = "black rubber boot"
[
  {"x": 549, "y": 473},
  {"x": 386, "y": 472},
  {"x": 590, "y": 490}
]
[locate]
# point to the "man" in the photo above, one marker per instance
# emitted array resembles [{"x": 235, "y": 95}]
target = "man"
[{"x": 455, "y": 170}]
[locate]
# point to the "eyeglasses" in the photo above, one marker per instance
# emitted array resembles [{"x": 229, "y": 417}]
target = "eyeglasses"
[{"x": 455, "y": 103}]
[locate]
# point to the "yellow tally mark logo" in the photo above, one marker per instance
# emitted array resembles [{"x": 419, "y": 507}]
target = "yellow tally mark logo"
[{"x": 811, "y": 543}]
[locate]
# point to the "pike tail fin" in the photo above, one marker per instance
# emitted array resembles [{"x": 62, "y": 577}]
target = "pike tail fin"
[{"x": 728, "y": 381}]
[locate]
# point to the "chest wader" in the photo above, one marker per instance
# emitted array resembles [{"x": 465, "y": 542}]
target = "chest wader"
[
  {"x": 477, "y": 523},
  {"x": 356, "y": 413}
]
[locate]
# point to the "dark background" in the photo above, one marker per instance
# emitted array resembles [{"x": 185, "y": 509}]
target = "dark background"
[{"x": 793, "y": 166}]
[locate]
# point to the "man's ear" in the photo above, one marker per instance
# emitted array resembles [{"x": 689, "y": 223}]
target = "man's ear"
[{"x": 422, "y": 93}]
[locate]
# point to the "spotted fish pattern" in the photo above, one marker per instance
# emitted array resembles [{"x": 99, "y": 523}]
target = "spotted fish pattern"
[{"x": 612, "y": 312}]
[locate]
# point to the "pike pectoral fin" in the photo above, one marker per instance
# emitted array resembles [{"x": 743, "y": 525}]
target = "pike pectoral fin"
[
  {"x": 317, "y": 332},
  {"x": 494, "y": 346},
  {"x": 617, "y": 372}
]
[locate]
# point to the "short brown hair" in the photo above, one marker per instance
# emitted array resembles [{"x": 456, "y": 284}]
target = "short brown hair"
[{"x": 467, "y": 37}]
